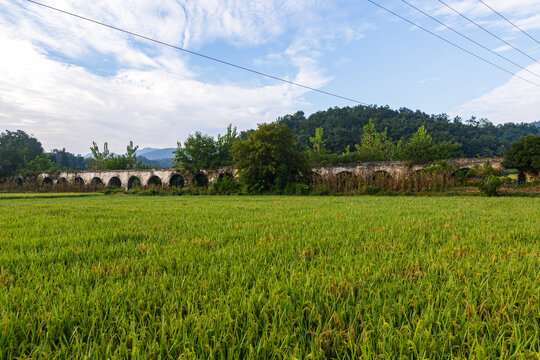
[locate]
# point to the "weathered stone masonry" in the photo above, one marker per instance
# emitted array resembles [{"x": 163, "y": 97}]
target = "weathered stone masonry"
[{"x": 167, "y": 177}]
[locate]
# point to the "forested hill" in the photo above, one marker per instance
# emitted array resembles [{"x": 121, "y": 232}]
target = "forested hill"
[{"x": 343, "y": 127}]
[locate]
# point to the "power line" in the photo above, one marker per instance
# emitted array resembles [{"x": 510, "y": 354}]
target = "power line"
[
  {"x": 510, "y": 22},
  {"x": 489, "y": 32},
  {"x": 198, "y": 54},
  {"x": 451, "y": 43},
  {"x": 471, "y": 40}
]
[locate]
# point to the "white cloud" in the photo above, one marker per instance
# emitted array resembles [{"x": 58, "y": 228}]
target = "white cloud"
[
  {"x": 515, "y": 101},
  {"x": 69, "y": 107},
  {"x": 153, "y": 96}
]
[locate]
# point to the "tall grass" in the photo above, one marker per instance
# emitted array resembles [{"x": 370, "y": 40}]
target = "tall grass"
[
  {"x": 269, "y": 277},
  {"x": 416, "y": 182}
]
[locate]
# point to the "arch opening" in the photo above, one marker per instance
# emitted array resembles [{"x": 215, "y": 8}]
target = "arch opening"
[
  {"x": 19, "y": 181},
  {"x": 96, "y": 181},
  {"x": 62, "y": 181},
  {"x": 176, "y": 181},
  {"x": 381, "y": 174},
  {"x": 115, "y": 182},
  {"x": 47, "y": 181},
  {"x": 79, "y": 181},
  {"x": 200, "y": 180},
  {"x": 225, "y": 175},
  {"x": 133, "y": 182},
  {"x": 344, "y": 174},
  {"x": 155, "y": 181},
  {"x": 462, "y": 176}
]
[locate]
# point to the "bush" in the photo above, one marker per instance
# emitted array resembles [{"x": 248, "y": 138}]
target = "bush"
[
  {"x": 372, "y": 190},
  {"x": 226, "y": 185},
  {"x": 489, "y": 185}
]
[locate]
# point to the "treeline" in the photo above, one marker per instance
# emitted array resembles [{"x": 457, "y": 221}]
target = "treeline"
[
  {"x": 23, "y": 154},
  {"x": 344, "y": 126}
]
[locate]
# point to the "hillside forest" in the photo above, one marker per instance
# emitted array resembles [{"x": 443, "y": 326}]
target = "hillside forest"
[{"x": 349, "y": 134}]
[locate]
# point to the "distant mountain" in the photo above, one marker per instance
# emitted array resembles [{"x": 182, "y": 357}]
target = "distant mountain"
[
  {"x": 158, "y": 163},
  {"x": 156, "y": 154}
]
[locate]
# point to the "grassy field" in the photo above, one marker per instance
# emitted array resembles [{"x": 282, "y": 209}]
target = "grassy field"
[{"x": 269, "y": 277}]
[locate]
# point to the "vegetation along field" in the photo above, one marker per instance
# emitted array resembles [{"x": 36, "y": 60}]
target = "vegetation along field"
[{"x": 269, "y": 277}]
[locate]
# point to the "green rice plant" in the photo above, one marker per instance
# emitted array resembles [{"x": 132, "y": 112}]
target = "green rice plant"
[{"x": 265, "y": 277}]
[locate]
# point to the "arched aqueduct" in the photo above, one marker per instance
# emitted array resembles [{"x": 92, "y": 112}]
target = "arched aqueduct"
[{"x": 172, "y": 177}]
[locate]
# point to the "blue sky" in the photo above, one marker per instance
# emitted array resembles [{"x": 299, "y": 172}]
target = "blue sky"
[{"x": 70, "y": 83}]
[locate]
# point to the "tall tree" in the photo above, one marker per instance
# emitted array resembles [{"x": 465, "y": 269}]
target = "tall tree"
[
  {"x": 268, "y": 158},
  {"x": 16, "y": 149},
  {"x": 199, "y": 152},
  {"x": 524, "y": 155},
  {"x": 97, "y": 162},
  {"x": 224, "y": 146},
  {"x": 374, "y": 145}
]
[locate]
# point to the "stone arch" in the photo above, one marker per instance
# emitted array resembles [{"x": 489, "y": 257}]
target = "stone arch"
[
  {"x": 200, "y": 179},
  {"x": 96, "y": 181},
  {"x": 316, "y": 178},
  {"x": 115, "y": 182},
  {"x": 62, "y": 181},
  {"x": 344, "y": 174},
  {"x": 460, "y": 175},
  {"x": 47, "y": 181},
  {"x": 155, "y": 181},
  {"x": 176, "y": 180},
  {"x": 225, "y": 175},
  {"x": 79, "y": 180},
  {"x": 134, "y": 181},
  {"x": 19, "y": 181},
  {"x": 461, "y": 172},
  {"x": 381, "y": 174}
]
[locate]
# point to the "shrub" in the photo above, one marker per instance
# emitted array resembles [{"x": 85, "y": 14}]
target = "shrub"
[
  {"x": 226, "y": 185},
  {"x": 489, "y": 185}
]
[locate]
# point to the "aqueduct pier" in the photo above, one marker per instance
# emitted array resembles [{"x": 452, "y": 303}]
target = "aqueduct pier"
[{"x": 173, "y": 177}]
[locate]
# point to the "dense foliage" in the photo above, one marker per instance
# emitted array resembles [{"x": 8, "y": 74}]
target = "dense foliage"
[
  {"x": 269, "y": 159},
  {"x": 344, "y": 126},
  {"x": 524, "y": 155},
  {"x": 104, "y": 160},
  {"x": 375, "y": 146},
  {"x": 22, "y": 154},
  {"x": 17, "y": 149},
  {"x": 204, "y": 152},
  {"x": 269, "y": 278}
]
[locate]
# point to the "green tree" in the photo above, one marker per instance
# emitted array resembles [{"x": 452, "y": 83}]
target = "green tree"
[
  {"x": 67, "y": 161},
  {"x": 374, "y": 146},
  {"x": 224, "y": 146},
  {"x": 16, "y": 149},
  {"x": 126, "y": 161},
  {"x": 269, "y": 159},
  {"x": 40, "y": 164},
  {"x": 97, "y": 162},
  {"x": 130, "y": 155},
  {"x": 317, "y": 153},
  {"x": 199, "y": 152},
  {"x": 422, "y": 148},
  {"x": 524, "y": 155}
]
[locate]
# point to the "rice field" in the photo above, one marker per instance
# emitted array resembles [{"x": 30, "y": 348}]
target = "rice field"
[{"x": 269, "y": 277}]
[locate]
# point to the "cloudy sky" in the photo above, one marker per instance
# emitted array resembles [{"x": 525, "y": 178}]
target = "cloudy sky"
[{"x": 71, "y": 82}]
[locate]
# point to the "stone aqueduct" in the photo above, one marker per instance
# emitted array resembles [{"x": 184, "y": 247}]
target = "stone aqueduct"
[{"x": 172, "y": 177}]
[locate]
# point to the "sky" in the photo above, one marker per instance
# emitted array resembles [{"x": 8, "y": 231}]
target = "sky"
[{"x": 70, "y": 82}]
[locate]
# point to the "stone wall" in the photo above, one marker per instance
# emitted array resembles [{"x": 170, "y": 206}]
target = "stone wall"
[{"x": 126, "y": 177}]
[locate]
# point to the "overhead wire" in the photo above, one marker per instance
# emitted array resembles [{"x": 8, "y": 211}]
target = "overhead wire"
[
  {"x": 198, "y": 54},
  {"x": 488, "y": 31},
  {"x": 510, "y": 22},
  {"x": 470, "y": 39},
  {"x": 453, "y": 44}
]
